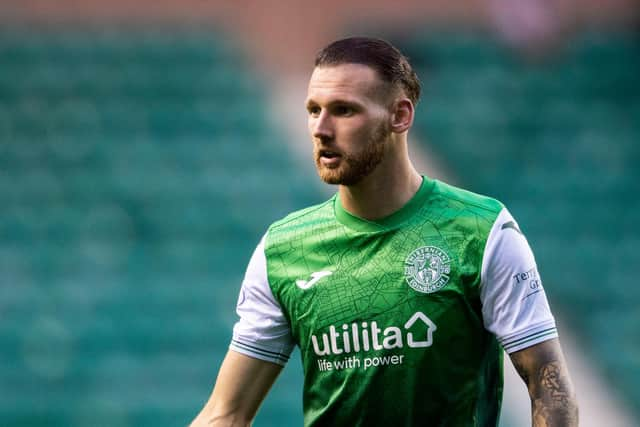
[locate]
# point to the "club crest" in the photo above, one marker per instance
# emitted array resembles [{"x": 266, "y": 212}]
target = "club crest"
[{"x": 427, "y": 269}]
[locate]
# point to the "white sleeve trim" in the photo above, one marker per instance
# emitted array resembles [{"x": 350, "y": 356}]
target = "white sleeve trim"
[
  {"x": 534, "y": 335},
  {"x": 262, "y": 332},
  {"x": 514, "y": 304}
]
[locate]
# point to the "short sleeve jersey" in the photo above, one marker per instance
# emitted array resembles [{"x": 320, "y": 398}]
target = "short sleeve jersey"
[{"x": 401, "y": 321}]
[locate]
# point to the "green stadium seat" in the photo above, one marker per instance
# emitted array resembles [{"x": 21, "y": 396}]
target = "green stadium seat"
[{"x": 137, "y": 177}]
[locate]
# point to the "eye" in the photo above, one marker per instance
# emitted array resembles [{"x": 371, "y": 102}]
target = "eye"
[
  {"x": 343, "y": 110},
  {"x": 313, "y": 110}
]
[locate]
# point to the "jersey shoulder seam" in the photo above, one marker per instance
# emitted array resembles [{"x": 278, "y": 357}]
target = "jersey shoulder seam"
[
  {"x": 450, "y": 195},
  {"x": 298, "y": 214}
]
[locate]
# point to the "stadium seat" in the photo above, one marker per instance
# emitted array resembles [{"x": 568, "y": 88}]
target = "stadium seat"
[{"x": 138, "y": 174}]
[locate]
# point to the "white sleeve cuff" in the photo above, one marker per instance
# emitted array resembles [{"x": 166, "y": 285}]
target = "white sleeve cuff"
[
  {"x": 252, "y": 350},
  {"x": 532, "y": 336}
]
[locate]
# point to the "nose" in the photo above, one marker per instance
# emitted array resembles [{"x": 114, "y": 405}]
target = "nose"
[{"x": 321, "y": 126}]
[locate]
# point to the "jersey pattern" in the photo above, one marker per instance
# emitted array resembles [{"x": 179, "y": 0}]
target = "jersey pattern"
[{"x": 387, "y": 314}]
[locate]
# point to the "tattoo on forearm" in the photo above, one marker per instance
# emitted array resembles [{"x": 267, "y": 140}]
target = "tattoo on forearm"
[
  {"x": 553, "y": 404},
  {"x": 543, "y": 370},
  {"x": 551, "y": 380}
]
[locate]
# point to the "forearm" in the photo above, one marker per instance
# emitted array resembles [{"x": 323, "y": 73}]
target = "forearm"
[
  {"x": 242, "y": 384},
  {"x": 214, "y": 417},
  {"x": 553, "y": 401}
]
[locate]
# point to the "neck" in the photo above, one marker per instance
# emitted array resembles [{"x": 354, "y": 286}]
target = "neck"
[{"x": 387, "y": 189}]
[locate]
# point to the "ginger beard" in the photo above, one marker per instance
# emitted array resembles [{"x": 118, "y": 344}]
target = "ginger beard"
[{"x": 354, "y": 167}]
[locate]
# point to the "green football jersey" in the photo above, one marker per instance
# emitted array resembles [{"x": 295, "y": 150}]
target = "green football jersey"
[{"x": 401, "y": 321}]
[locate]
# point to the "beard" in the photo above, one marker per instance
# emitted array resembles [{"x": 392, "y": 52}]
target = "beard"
[{"x": 356, "y": 166}]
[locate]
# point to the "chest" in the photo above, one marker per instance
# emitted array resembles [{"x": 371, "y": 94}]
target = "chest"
[{"x": 354, "y": 286}]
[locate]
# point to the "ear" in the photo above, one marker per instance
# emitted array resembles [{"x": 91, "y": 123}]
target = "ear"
[{"x": 402, "y": 113}]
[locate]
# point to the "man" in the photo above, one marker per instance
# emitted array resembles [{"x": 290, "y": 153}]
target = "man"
[{"x": 401, "y": 291}]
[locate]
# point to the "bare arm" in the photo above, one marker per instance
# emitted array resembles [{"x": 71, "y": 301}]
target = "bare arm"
[
  {"x": 543, "y": 369},
  {"x": 242, "y": 384}
]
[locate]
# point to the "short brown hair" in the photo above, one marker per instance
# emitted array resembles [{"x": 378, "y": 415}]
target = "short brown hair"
[{"x": 392, "y": 66}]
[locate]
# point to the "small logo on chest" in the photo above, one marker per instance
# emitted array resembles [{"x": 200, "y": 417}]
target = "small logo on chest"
[
  {"x": 427, "y": 269},
  {"x": 315, "y": 277}
]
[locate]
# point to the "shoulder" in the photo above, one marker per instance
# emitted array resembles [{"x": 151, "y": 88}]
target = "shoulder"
[
  {"x": 300, "y": 223},
  {"x": 463, "y": 211},
  {"x": 470, "y": 201}
]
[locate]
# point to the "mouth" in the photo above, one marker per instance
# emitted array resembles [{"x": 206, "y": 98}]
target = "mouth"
[
  {"x": 328, "y": 154},
  {"x": 329, "y": 158}
]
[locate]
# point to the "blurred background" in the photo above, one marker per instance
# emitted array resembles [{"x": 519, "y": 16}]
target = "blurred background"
[{"x": 146, "y": 146}]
